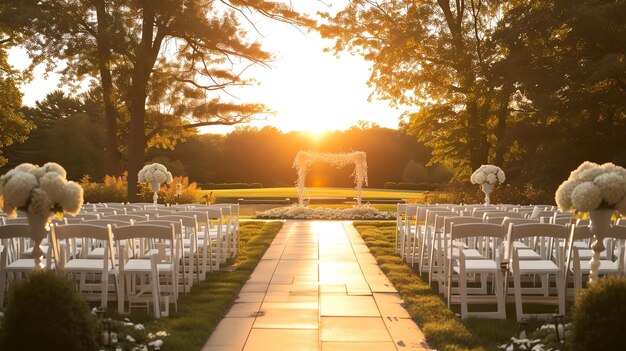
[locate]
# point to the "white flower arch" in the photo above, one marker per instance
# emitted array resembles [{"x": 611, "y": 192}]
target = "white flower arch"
[{"x": 304, "y": 160}]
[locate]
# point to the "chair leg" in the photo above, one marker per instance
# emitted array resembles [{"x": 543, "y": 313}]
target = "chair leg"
[{"x": 518, "y": 295}]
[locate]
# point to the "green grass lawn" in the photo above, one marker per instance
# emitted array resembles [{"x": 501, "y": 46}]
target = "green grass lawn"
[
  {"x": 443, "y": 330},
  {"x": 316, "y": 192}
]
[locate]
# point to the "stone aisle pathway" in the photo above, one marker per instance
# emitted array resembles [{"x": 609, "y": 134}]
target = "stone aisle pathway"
[{"x": 317, "y": 288}]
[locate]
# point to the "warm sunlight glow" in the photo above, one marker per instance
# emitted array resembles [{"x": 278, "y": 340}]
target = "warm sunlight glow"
[
  {"x": 305, "y": 88},
  {"x": 315, "y": 135}
]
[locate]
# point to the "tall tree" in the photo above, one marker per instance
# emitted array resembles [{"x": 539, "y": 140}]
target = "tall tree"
[
  {"x": 567, "y": 61},
  {"x": 196, "y": 47},
  {"x": 433, "y": 56},
  {"x": 13, "y": 126}
]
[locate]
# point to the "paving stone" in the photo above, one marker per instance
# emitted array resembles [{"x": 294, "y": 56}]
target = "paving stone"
[
  {"x": 332, "y": 305},
  {"x": 283, "y": 339},
  {"x": 357, "y": 346},
  {"x": 290, "y": 318},
  {"x": 364, "y": 329}
]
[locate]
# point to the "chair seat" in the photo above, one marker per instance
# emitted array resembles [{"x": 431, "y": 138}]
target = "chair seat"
[
  {"x": 538, "y": 267},
  {"x": 470, "y": 254},
  {"x": 22, "y": 264},
  {"x": 528, "y": 254},
  {"x": 82, "y": 264},
  {"x": 479, "y": 266},
  {"x": 606, "y": 267},
  {"x": 143, "y": 266}
]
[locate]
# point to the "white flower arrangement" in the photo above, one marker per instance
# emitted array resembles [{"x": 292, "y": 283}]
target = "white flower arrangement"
[
  {"x": 304, "y": 212},
  {"x": 155, "y": 173},
  {"x": 488, "y": 174},
  {"x": 39, "y": 190},
  {"x": 592, "y": 186}
]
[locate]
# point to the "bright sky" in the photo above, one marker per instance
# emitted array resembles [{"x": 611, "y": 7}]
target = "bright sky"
[{"x": 307, "y": 88}]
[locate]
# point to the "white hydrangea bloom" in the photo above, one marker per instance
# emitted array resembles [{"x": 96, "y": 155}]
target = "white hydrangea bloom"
[
  {"x": 487, "y": 174},
  {"x": 583, "y": 166},
  {"x": 55, "y": 167},
  {"x": 73, "y": 198},
  {"x": 37, "y": 172},
  {"x": 586, "y": 197},
  {"x": 501, "y": 176},
  {"x": 25, "y": 167},
  {"x": 54, "y": 185},
  {"x": 18, "y": 189},
  {"x": 611, "y": 186},
  {"x": 159, "y": 177},
  {"x": 589, "y": 174},
  {"x": 563, "y": 195},
  {"x": 155, "y": 172},
  {"x": 608, "y": 190}
]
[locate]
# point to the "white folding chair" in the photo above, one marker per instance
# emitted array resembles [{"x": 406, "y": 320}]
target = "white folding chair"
[
  {"x": 14, "y": 263},
  {"x": 92, "y": 275},
  {"x": 190, "y": 256},
  {"x": 545, "y": 268},
  {"x": 462, "y": 267},
  {"x": 581, "y": 266},
  {"x": 151, "y": 275}
]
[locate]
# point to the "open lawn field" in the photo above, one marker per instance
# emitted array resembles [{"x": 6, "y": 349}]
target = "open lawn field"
[{"x": 290, "y": 192}]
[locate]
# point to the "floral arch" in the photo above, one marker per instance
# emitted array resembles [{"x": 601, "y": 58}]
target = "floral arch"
[{"x": 304, "y": 160}]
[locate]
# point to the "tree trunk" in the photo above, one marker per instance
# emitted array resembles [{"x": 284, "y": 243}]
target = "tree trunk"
[
  {"x": 114, "y": 156},
  {"x": 503, "y": 112},
  {"x": 138, "y": 96}
]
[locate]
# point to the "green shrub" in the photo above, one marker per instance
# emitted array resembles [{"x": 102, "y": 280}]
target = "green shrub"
[
  {"x": 599, "y": 316},
  {"x": 215, "y": 186},
  {"x": 410, "y": 186},
  {"x": 45, "y": 312},
  {"x": 167, "y": 195},
  {"x": 112, "y": 189}
]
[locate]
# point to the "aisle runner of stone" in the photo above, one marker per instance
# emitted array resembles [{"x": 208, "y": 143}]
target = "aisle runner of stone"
[{"x": 317, "y": 288}]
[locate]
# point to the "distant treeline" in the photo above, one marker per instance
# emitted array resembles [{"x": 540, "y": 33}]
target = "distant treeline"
[
  {"x": 70, "y": 131},
  {"x": 251, "y": 156}
]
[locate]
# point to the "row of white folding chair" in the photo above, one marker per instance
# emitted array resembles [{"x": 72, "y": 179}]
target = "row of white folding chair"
[
  {"x": 461, "y": 266},
  {"x": 612, "y": 259},
  {"x": 141, "y": 269},
  {"x": 14, "y": 263},
  {"x": 229, "y": 223}
]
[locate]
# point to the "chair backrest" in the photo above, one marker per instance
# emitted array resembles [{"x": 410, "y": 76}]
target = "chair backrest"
[
  {"x": 187, "y": 221},
  {"x": 15, "y": 230},
  {"x": 109, "y": 211},
  {"x": 447, "y": 222},
  {"x": 488, "y": 237},
  {"x": 542, "y": 231},
  {"x": 146, "y": 236},
  {"x": 466, "y": 230},
  {"x": 127, "y": 217},
  {"x": 518, "y": 231},
  {"x": 144, "y": 230},
  {"x": 72, "y": 231},
  {"x": 92, "y": 215},
  {"x": 107, "y": 221},
  {"x": 152, "y": 214},
  {"x": 432, "y": 214},
  {"x": 17, "y": 220}
]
